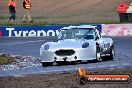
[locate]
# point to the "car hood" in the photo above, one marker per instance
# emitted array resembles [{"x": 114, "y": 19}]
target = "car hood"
[{"x": 67, "y": 44}]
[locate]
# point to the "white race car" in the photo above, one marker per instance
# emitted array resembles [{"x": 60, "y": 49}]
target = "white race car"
[{"x": 77, "y": 43}]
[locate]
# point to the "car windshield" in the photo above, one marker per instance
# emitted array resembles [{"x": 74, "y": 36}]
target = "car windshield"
[{"x": 77, "y": 34}]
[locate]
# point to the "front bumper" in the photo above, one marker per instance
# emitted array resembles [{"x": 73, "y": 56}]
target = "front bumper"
[{"x": 80, "y": 54}]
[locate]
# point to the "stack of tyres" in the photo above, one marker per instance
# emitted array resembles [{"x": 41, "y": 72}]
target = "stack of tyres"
[
  {"x": 129, "y": 12},
  {"x": 122, "y": 9}
]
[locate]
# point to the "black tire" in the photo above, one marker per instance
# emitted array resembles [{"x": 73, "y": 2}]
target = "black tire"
[
  {"x": 112, "y": 53},
  {"x": 44, "y": 64},
  {"x": 98, "y": 54}
]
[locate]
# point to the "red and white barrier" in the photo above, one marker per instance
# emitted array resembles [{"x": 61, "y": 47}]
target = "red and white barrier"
[
  {"x": 117, "y": 29},
  {"x": 0, "y": 34}
]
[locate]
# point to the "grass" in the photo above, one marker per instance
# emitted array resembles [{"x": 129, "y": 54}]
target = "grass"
[
  {"x": 39, "y": 17},
  {"x": 42, "y": 21},
  {"x": 59, "y": 23},
  {"x": 4, "y": 17},
  {"x": 22, "y": 24},
  {"x": 5, "y": 60}
]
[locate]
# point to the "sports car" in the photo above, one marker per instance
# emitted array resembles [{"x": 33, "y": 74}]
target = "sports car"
[{"x": 77, "y": 44}]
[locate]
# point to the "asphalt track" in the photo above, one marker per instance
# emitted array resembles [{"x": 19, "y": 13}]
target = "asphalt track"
[{"x": 30, "y": 47}]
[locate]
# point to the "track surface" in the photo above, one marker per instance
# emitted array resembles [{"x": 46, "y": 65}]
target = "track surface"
[{"x": 30, "y": 47}]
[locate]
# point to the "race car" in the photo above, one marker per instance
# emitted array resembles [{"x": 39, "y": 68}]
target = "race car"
[{"x": 77, "y": 44}]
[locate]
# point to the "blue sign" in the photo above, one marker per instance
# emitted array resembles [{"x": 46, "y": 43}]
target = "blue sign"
[{"x": 33, "y": 31}]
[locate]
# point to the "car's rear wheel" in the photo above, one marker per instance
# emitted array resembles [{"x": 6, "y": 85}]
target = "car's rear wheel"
[{"x": 44, "y": 64}]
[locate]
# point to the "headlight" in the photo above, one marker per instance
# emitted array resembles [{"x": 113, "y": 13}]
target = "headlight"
[
  {"x": 85, "y": 45},
  {"x": 46, "y": 47}
]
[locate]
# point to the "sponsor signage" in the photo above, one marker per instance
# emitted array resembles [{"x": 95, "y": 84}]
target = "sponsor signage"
[
  {"x": 33, "y": 31},
  {"x": 53, "y": 30},
  {"x": 117, "y": 29},
  {"x": 29, "y": 31}
]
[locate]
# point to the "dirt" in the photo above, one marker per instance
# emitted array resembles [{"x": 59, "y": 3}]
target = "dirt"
[
  {"x": 17, "y": 61},
  {"x": 67, "y": 80},
  {"x": 67, "y": 11}
]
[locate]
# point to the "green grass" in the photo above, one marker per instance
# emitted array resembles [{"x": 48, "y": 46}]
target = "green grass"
[
  {"x": 53, "y": 21},
  {"x": 38, "y": 17},
  {"x": 58, "y": 23},
  {"x": 4, "y": 17},
  {"x": 5, "y": 60},
  {"x": 22, "y": 24}
]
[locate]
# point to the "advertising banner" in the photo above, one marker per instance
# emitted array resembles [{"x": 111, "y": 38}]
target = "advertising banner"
[
  {"x": 33, "y": 31},
  {"x": 117, "y": 29},
  {"x": 29, "y": 31}
]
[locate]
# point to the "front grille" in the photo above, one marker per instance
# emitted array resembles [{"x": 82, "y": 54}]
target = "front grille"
[{"x": 65, "y": 52}]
